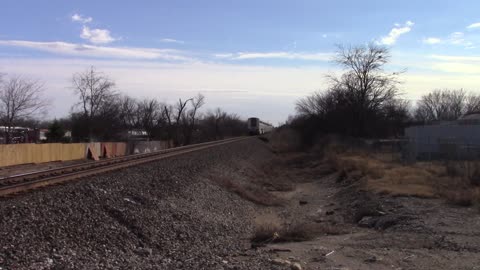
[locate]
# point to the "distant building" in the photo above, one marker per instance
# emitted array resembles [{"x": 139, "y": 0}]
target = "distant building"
[
  {"x": 42, "y": 134},
  {"x": 452, "y": 140},
  {"x": 134, "y": 135},
  {"x": 17, "y": 134}
]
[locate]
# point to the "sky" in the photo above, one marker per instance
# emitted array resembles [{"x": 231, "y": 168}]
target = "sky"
[{"x": 250, "y": 57}]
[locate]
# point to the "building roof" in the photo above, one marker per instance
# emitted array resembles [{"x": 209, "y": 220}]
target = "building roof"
[{"x": 470, "y": 116}]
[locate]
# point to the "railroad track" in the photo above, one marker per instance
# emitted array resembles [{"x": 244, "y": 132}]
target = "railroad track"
[{"x": 29, "y": 181}]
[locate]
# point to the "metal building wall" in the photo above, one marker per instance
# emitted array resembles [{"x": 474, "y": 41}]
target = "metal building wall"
[{"x": 435, "y": 138}]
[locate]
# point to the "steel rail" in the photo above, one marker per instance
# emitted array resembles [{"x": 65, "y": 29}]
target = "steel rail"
[{"x": 34, "y": 180}]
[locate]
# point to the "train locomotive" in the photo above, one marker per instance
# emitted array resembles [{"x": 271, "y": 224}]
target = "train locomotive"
[{"x": 258, "y": 127}]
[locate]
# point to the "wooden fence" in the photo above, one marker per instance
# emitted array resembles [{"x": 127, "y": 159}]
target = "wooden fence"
[{"x": 15, "y": 154}]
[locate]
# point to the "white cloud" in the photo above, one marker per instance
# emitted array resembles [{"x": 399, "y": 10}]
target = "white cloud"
[
  {"x": 96, "y": 36},
  {"x": 456, "y": 64},
  {"x": 455, "y": 38},
  {"x": 474, "y": 25},
  {"x": 456, "y": 58},
  {"x": 396, "y": 32},
  {"x": 79, "y": 18},
  {"x": 460, "y": 68},
  {"x": 458, "y": 38},
  {"x": 85, "y": 50},
  {"x": 171, "y": 40},
  {"x": 277, "y": 55},
  {"x": 432, "y": 40},
  {"x": 224, "y": 55}
]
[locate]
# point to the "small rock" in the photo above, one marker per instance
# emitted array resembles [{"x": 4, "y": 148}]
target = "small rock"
[
  {"x": 296, "y": 266},
  {"x": 279, "y": 261},
  {"x": 367, "y": 222},
  {"x": 371, "y": 259},
  {"x": 386, "y": 222},
  {"x": 301, "y": 202},
  {"x": 129, "y": 200},
  {"x": 329, "y": 213},
  {"x": 319, "y": 259},
  {"x": 57, "y": 256},
  {"x": 144, "y": 251}
]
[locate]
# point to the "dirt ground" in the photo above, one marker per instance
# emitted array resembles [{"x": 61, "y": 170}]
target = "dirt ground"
[
  {"x": 200, "y": 211},
  {"x": 358, "y": 230}
]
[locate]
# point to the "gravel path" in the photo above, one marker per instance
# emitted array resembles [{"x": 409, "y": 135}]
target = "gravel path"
[{"x": 162, "y": 215}]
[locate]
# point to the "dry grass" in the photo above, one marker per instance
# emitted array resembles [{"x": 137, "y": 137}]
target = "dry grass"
[
  {"x": 267, "y": 228},
  {"x": 460, "y": 197},
  {"x": 386, "y": 177},
  {"x": 285, "y": 140},
  {"x": 457, "y": 182},
  {"x": 270, "y": 229}
]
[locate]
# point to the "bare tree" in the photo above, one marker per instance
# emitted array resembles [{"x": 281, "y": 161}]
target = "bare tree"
[
  {"x": 20, "y": 98},
  {"x": 94, "y": 90},
  {"x": 219, "y": 116},
  {"x": 359, "y": 102},
  {"x": 166, "y": 116},
  {"x": 367, "y": 86},
  {"x": 179, "y": 110},
  {"x": 446, "y": 105},
  {"x": 149, "y": 112},
  {"x": 197, "y": 103},
  {"x": 313, "y": 104},
  {"x": 473, "y": 103}
]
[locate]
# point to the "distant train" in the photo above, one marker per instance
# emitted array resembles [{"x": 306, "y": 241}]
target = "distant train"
[{"x": 257, "y": 127}]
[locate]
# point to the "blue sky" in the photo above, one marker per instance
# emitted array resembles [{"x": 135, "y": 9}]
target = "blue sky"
[{"x": 249, "y": 57}]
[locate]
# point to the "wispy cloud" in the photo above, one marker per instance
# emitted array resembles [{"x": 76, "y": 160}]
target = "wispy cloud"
[
  {"x": 79, "y": 18},
  {"x": 456, "y": 58},
  {"x": 474, "y": 25},
  {"x": 276, "y": 55},
  {"x": 171, "y": 40},
  {"x": 455, "y": 38},
  {"x": 396, "y": 32},
  {"x": 456, "y": 64},
  {"x": 432, "y": 40},
  {"x": 96, "y": 36},
  {"x": 85, "y": 50},
  {"x": 458, "y": 38}
]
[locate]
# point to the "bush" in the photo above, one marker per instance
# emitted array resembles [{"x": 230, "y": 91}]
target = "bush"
[
  {"x": 269, "y": 229},
  {"x": 460, "y": 197},
  {"x": 285, "y": 140}
]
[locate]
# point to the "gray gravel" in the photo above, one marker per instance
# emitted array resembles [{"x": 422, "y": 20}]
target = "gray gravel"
[{"x": 162, "y": 215}]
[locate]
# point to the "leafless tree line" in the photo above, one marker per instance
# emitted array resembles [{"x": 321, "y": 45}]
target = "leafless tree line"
[
  {"x": 446, "y": 105},
  {"x": 364, "y": 101},
  {"x": 103, "y": 113}
]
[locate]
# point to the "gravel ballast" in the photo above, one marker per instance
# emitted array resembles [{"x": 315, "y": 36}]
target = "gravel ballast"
[{"x": 161, "y": 215}]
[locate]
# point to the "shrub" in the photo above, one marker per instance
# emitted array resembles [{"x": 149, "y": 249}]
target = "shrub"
[{"x": 269, "y": 229}]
